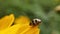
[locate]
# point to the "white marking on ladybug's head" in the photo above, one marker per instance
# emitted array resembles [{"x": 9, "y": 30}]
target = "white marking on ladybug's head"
[{"x": 37, "y": 19}]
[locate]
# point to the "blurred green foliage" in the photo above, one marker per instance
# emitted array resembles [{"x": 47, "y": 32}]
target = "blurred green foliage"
[{"x": 42, "y": 9}]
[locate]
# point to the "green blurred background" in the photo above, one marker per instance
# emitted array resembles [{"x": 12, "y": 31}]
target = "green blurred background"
[{"x": 43, "y": 9}]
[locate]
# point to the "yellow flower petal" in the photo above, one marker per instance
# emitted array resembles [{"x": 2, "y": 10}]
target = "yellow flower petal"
[
  {"x": 30, "y": 30},
  {"x": 37, "y": 31},
  {"x": 23, "y": 29},
  {"x": 6, "y": 21},
  {"x": 10, "y": 30},
  {"x": 14, "y": 29},
  {"x": 22, "y": 20}
]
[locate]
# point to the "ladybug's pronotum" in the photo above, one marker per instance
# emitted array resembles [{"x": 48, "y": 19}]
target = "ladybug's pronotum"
[{"x": 35, "y": 22}]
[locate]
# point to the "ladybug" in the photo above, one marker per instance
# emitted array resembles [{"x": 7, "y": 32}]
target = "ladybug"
[{"x": 35, "y": 22}]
